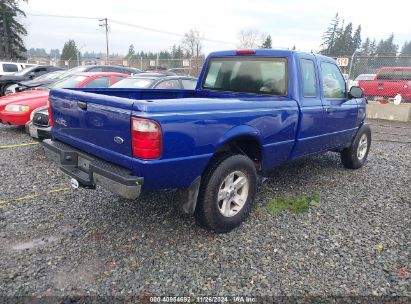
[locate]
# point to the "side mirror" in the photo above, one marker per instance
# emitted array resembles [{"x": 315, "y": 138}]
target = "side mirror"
[
  {"x": 355, "y": 92},
  {"x": 31, "y": 75}
]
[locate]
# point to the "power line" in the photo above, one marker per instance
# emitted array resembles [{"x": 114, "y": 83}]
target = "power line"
[
  {"x": 61, "y": 16},
  {"x": 127, "y": 24}
]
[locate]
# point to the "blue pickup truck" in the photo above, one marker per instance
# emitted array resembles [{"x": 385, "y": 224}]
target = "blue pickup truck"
[{"x": 251, "y": 110}]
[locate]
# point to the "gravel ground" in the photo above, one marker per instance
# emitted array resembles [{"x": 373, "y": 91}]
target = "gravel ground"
[{"x": 58, "y": 241}]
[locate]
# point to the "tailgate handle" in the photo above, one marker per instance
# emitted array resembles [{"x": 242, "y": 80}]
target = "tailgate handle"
[{"x": 82, "y": 105}]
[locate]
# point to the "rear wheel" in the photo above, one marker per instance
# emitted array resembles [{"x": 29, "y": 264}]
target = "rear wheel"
[
  {"x": 355, "y": 156},
  {"x": 227, "y": 192}
]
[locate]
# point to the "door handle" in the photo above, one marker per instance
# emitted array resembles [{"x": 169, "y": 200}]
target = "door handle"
[
  {"x": 82, "y": 105},
  {"x": 329, "y": 110}
]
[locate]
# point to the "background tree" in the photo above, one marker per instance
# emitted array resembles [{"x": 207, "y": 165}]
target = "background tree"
[
  {"x": 69, "y": 52},
  {"x": 267, "y": 44},
  {"x": 249, "y": 39},
  {"x": 192, "y": 43},
  {"x": 55, "y": 53},
  {"x": 405, "y": 59},
  {"x": 386, "y": 51},
  {"x": 131, "y": 52},
  {"x": 12, "y": 31},
  {"x": 330, "y": 35}
]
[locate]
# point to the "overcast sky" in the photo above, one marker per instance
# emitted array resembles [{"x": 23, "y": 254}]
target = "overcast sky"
[{"x": 291, "y": 22}]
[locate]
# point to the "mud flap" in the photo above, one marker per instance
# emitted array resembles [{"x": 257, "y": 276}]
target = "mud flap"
[{"x": 187, "y": 197}]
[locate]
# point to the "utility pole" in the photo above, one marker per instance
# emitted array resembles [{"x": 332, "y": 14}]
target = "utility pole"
[{"x": 104, "y": 23}]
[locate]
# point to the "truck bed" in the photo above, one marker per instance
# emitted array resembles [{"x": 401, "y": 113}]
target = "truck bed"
[{"x": 193, "y": 124}]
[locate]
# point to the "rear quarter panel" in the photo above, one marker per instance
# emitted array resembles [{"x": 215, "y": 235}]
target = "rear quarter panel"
[{"x": 198, "y": 127}]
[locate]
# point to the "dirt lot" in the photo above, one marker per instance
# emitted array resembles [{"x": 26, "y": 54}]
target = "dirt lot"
[{"x": 59, "y": 241}]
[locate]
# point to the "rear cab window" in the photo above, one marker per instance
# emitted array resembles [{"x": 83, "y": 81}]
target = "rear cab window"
[{"x": 258, "y": 75}]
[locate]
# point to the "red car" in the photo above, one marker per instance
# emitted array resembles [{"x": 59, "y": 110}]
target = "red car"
[
  {"x": 389, "y": 82},
  {"x": 15, "y": 109}
]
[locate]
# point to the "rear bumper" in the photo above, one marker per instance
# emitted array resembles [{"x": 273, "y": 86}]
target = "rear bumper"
[{"x": 90, "y": 171}]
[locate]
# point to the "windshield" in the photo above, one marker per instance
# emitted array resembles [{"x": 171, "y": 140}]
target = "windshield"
[
  {"x": 50, "y": 76},
  {"x": 134, "y": 83},
  {"x": 69, "y": 82},
  {"x": 248, "y": 75},
  {"x": 24, "y": 71}
]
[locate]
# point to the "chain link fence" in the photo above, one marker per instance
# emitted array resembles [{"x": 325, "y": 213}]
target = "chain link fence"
[
  {"x": 383, "y": 78},
  {"x": 183, "y": 66},
  {"x": 394, "y": 72}
]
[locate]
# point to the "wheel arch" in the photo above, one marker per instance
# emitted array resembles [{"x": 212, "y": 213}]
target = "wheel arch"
[{"x": 243, "y": 139}]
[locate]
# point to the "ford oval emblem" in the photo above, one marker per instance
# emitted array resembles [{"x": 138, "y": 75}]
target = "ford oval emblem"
[{"x": 118, "y": 140}]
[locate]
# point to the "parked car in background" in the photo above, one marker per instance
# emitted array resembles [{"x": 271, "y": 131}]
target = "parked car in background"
[
  {"x": 251, "y": 110},
  {"x": 8, "y": 68},
  {"x": 15, "y": 109},
  {"x": 363, "y": 77},
  {"x": 389, "y": 82},
  {"x": 42, "y": 80},
  {"x": 25, "y": 74},
  {"x": 149, "y": 80},
  {"x": 103, "y": 68}
]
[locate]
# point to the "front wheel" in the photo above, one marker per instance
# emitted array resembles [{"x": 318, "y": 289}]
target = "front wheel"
[
  {"x": 227, "y": 192},
  {"x": 355, "y": 155}
]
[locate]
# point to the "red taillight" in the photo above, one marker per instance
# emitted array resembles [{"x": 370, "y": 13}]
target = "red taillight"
[
  {"x": 146, "y": 138},
  {"x": 50, "y": 115},
  {"x": 245, "y": 52}
]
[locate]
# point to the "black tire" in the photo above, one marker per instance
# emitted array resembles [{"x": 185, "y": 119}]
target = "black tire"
[
  {"x": 350, "y": 156},
  {"x": 207, "y": 212}
]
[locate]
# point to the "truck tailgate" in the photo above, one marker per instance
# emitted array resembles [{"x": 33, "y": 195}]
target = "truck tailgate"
[{"x": 93, "y": 122}]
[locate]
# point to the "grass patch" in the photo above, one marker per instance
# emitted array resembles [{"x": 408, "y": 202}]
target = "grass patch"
[{"x": 299, "y": 204}]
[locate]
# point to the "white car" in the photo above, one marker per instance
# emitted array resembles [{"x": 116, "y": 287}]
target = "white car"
[
  {"x": 363, "y": 77},
  {"x": 8, "y": 68}
]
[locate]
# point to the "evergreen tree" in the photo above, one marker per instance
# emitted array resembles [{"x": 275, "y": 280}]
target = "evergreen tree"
[
  {"x": 267, "y": 44},
  {"x": 11, "y": 30},
  {"x": 387, "y": 51},
  {"x": 406, "y": 49},
  {"x": 69, "y": 51},
  {"x": 387, "y": 46},
  {"x": 344, "y": 42},
  {"x": 131, "y": 52},
  {"x": 365, "y": 47},
  {"x": 330, "y": 36},
  {"x": 357, "y": 38}
]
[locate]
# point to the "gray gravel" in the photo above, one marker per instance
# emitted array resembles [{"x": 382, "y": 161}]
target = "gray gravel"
[{"x": 84, "y": 242}]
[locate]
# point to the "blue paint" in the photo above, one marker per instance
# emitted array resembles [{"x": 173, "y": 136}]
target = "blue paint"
[{"x": 196, "y": 123}]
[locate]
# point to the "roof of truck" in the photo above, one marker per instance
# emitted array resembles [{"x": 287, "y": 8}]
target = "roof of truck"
[{"x": 265, "y": 52}]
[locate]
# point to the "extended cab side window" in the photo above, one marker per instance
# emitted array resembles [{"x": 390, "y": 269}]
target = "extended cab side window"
[
  {"x": 333, "y": 81},
  {"x": 247, "y": 75},
  {"x": 308, "y": 78}
]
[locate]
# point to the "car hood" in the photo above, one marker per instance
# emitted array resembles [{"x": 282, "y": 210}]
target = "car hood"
[{"x": 23, "y": 97}]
